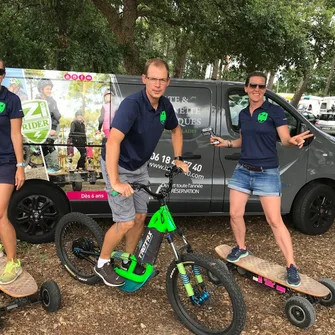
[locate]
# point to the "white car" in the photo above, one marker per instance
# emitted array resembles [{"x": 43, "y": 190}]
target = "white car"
[{"x": 326, "y": 122}]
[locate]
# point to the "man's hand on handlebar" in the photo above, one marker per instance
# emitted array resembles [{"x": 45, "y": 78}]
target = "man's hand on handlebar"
[
  {"x": 181, "y": 165},
  {"x": 123, "y": 189}
]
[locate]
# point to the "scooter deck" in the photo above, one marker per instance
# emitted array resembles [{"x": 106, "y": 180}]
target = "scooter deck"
[
  {"x": 271, "y": 274},
  {"x": 23, "y": 286}
]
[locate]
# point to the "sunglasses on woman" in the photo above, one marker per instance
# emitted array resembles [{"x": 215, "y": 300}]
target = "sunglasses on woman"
[
  {"x": 2, "y": 72},
  {"x": 260, "y": 86}
]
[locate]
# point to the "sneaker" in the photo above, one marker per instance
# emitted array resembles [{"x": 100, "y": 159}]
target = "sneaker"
[
  {"x": 293, "y": 278},
  {"x": 236, "y": 254},
  {"x": 1, "y": 250},
  {"x": 108, "y": 275},
  {"x": 54, "y": 171},
  {"x": 11, "y": 273},
  {"x": 139, "y": 269}
]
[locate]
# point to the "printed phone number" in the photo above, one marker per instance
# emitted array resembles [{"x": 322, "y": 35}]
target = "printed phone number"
[{"x": 169, "y": 160}]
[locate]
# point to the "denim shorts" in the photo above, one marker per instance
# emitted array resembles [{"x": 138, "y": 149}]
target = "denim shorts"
[
  {"x": 261, "y": 183},
  {"x": 124, "y": 209}
]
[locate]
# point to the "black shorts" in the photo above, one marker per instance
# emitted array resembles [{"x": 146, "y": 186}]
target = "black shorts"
[{"x": 7, "y": 173}]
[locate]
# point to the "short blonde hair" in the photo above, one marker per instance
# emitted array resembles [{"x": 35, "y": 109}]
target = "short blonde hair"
[{"x": 156, "y": 62}]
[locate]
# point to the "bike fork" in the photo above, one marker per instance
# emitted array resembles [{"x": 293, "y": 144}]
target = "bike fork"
[{"x": 181, "y": 268}]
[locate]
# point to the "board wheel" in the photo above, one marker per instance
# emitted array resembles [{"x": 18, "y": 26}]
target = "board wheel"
[
  {"x": 300, "y": 312},
  {"x": 329, "y": 300},
  {"x": 241, "y": 271},
  {"x": 50, "y": 296}
]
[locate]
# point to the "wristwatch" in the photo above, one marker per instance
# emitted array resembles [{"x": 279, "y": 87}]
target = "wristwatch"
[
  {"x": 21, "y": 164},
  {"x": 178, "y": 158}
]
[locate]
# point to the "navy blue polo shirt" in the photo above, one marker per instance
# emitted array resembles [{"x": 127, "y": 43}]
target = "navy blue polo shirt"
[
  {"x": 10, "y": 108},
  {"x": 259, "y": 135},
  {"x": 142, "y": 126}
]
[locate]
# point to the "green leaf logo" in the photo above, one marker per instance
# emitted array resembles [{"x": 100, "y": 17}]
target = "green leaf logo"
[
  {"x": 162, "y": 117},
  {"x": 2, "y": 107},
  {"x": 262, "y": 117}
]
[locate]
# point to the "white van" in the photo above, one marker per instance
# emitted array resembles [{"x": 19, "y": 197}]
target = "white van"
[
  {"x": 310, "y": 104},
  {"x": 326, "y": 104}
]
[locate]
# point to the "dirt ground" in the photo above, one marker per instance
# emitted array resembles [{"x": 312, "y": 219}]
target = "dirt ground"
[{"x": 102, "y": 310}]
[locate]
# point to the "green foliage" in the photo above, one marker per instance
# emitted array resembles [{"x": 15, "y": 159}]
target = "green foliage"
[
  {"x": 295, "y": 39},
  {"x": 57, "y": 35}
]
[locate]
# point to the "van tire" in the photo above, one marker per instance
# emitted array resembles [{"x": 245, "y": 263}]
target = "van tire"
[
  {"x": 35, "y": 210},
  {"x": 314, "y": 209}
]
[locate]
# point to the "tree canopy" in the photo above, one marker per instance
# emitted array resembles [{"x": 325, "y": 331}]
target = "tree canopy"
[{"x": 292, "y": 40}]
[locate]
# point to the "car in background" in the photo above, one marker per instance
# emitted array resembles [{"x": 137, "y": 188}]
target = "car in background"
[
  {"x": 326, "y": 122},
  {"x": 309, "y": 116},
  {"x": 310, "y": 105}
]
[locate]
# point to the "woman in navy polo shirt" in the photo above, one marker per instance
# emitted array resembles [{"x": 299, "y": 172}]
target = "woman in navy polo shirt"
[
  {"x": 11, "y": 172},
  {"x": 257, "y": 172}
]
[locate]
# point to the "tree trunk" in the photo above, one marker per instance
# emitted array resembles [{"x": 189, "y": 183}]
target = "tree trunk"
[
  {"x": 123, "y": 24},
  {"x": 215, "y": 70},
  {"x": 182, "y": 46},
  {"x": 227, "y": 63},
  {"x": 301, "y": 88},
  {"x": 271, "y": 80},
  {"x": 330, "y": 76}
]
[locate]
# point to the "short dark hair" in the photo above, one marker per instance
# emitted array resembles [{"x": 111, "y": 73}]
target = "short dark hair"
[
  {"x": 3, "y": 63},
  {"x": 255, "y": 74},
  {"x": 156, "y": 62}
]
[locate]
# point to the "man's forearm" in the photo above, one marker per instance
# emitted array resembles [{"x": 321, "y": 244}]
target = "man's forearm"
[
  {"x": 112, "y": 161},
  {"x": 177, "y": 141}
]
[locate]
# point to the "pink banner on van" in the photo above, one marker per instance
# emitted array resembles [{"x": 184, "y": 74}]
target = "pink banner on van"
[{"x": 87, "y": 195}]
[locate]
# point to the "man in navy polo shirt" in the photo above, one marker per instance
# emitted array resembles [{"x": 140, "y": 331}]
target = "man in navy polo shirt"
[
  {"x": 257, "y": 172},
  {"x": 137, "y": 127}
]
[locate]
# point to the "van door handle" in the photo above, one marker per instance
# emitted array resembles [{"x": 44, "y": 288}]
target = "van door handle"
[{"x": 233, "y": 157}]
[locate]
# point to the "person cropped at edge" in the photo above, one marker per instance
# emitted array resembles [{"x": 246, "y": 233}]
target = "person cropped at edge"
[
  {"x": 257, "y": 172},
  {"x": 50, "y": 153},
  {"x": 137, "y": 127},
  {"x": 11, "y": 172},
  {"x": 77, "y": 137},
  {"x": 106, "y": 114}
]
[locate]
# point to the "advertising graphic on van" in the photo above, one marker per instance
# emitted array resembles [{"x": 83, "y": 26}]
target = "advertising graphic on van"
[
  {"x": 68, "y": 115},
  {"x": 36, "y": 123}
]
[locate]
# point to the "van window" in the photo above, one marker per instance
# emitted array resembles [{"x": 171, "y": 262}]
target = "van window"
[
  {"x": 237, "y": 101},
  {"x": 193, "y": 109},
  {"x": 323, "y": 105},
  {"x": 292, "y": 122}
]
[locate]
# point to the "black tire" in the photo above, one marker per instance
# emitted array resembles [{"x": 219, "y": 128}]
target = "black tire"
[
  {"x": 78, "y": 241},
  {"x": 225, "y": 314},
  {"x": 50, "y": 296},
  {"x": 35, "y": 210},
  {"x": 77, "y": 185},
  {"x": 328, "y": 301},
  {"x": 92, "y": 178},
  {"x": 300, "y": 312},
  {"x": 314, "y": 209}
]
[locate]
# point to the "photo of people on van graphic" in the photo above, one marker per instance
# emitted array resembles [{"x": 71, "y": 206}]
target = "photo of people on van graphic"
[{"x": 68, "y": 117}]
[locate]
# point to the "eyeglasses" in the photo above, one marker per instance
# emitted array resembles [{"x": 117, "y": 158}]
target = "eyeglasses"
[
  {"x": 160, "y": 80},
  {"x": 2, "y": 72},
  {"x": 260, "y": 86}
]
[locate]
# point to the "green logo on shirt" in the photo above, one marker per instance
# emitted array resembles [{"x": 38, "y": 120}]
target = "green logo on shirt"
[
  {"x": 262, "y": 117},
  {"x": 162, "y": 117},
  {"x": 2, "y": 107}
]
